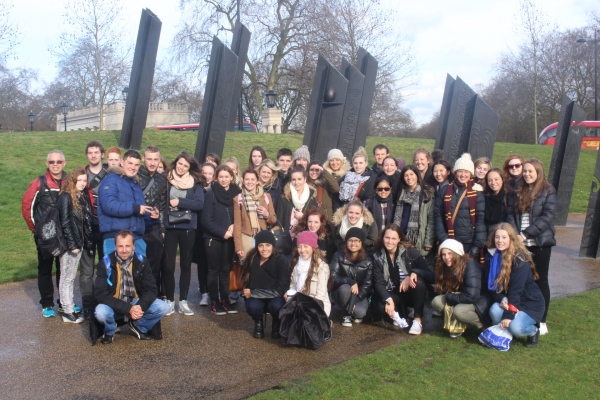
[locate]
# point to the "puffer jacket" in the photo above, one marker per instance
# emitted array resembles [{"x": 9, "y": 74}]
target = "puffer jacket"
[
  {"x": 155, "y": 197},
  {"x": 329, "y": 187},
  {"x": 76, "y": 224},
  {"x": 412, "y": 260},
  {"x": 426, "y": 235},
  {"x": 345, "y": 272},
  {"x": 369, "y": 228},
  {"x": 472, "y": 238},
  {"x": 541, "y": 218},
  {"x": 470, "y": 292},
  {"x": 285, "y": 206}
]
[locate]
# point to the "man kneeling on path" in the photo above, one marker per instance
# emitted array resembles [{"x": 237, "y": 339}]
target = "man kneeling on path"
[{"x": 125, "y": 288}]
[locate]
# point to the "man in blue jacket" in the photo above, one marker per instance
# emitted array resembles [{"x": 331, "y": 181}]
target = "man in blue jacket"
[{"x": 121, "y": 204}]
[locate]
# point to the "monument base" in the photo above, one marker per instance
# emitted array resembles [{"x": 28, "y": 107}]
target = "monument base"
[{"x": 272, "y": 120}]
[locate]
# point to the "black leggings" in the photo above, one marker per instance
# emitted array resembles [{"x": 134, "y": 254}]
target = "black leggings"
[
  {"x": 220, "y": 256},
  {"x": 201, "y": 261},
  {"x": 414, "y": 298},
  {"x": 185, "y": 239},
  {"x": 541, "y": 259}
]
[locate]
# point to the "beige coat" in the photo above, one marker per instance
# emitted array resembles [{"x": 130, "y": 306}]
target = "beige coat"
[
  {"x": 241, "y": 220},
  {"x": 318, "y": 285}
]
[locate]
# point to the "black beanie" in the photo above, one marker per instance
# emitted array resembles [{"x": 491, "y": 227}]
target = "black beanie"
[
  {"x": 355, "y": 233},
  {"x": 265, "y": 236}
]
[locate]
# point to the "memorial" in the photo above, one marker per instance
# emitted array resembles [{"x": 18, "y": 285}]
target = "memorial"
[{"x": 239, "y": 45}]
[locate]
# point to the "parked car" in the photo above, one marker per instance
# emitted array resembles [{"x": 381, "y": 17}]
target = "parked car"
[
  {"x": 591, "y": 136},
  {"x": 248, "y": 127}
]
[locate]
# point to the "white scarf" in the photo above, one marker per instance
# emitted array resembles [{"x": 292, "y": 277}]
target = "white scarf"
[
  {"x": 346, "y": 225},
  {"x": 300, "y": 201},
  {"x": 301, "y": 272}
]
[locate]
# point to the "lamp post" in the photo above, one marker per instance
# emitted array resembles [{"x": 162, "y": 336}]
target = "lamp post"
[
  {"x": 65, "y": 110},
  {"x": 31, "y": 117},
  {"x": 595, "y": 41},
  {"x": 271, "y": 96},
  {"x": 125, "y": 91}
]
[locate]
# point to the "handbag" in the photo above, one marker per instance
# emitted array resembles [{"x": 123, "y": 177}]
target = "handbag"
[
  {"x": 451, "y": 324},
  {"x": 236, "y": 282},
  {"x": 496, "y": 337},
  {"x": 179, "y": 216},
  {"x": 283, "y": 239}
]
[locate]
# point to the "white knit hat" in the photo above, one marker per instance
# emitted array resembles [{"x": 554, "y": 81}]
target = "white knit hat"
[
  {"x": 335, "y": 153},
  {"x": 453, "y": 245},
  {"x": 464, "y": 162}
]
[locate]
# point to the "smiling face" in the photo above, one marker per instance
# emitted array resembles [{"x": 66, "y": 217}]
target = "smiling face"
[
  {"x": 335, "y": 164},
  {"x": 265, "y": 174},
  {"x": 353, "y": 245},
  {"x": 391, "y": 240},
  {"x": 515, "y": 168},
  {"x": 124, "y": 246},
  {"x": 494, "y": 181},
  {"x": 265, "y": 250},
  {"x": 314, "y": 172},
  {"x": 384, "y": 189},
  {"x": 81, "y": 182},
  {"x": 481, "y": 170},
  {"x": 284, "y": 162},
  {"x": 354, "y": 213},
  {"x": 256, "y": 158},
  {"x": 208, "y": 173},
  {"x": 421, "y": 162},
  {"x": 182, "y": 167},
  {"x": 389, "y": 167},
  {"x": 314, "y": 223},
  {"x": 447, "y": 256},
  {"x": 530, "y": 175},
  {"x": 305, "y": 251},
  {"x": 250, "y": 182},
  {"x": 224, "y": 179},
  {"x": 131, "y": 165},
  {"x": 298, "y": 181},
  {"x": 151, "y": 161},
  {"x": 463, "y": 176},
  {"x": 94, "y": 156},
  {"x": 359, "y": 164},
  {"x": 380, "y": 155},
  {"x": 440, "y": 173},
  {"x": 55, "y": 164},
  {"x": 501, "y": 239},
  {"x": 411, "y": 180}
]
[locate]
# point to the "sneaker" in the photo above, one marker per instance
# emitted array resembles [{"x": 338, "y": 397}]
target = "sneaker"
[
  {"x": 171, "y": 307},
  {"x": 184, "y": 308},
  {"x": 205, "y": 301},
  {"x": 106, "y": 339},
  {"x": 215, "y": 307},
  {"x": 434, "y": 313},
  {"x": 347, "y": 321},
  {"x": 72, "y": 318},
  {"x": 234, "y": 297},
  {"x": 76, "y": 309},
  {"x": 416, "y": 328},
  {"x": 455, "y": 335},
  {"x": 48, "y": 312},
  {"x": 357, "y": 320},
  {"x": 228, "y": 307},
  {"x": 140, "y": 335},
  {"x": 543, "y": 329}
]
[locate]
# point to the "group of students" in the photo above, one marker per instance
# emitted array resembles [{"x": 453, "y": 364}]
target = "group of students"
[{"x": 474, "y": 239}]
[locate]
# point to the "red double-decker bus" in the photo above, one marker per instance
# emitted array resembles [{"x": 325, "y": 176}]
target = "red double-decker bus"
[
  {"x": 247, "y": 126},
  {"x": 591, "y": 139}
]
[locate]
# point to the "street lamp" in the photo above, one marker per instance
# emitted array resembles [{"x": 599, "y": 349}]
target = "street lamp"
[
  {"x": 65, "y": 110},
  {"x": 271, "y": 96},
  {"x": 125, "y": 91},
  {"x": 595, "y": 41},
  {"x": 31, "y": 117}
]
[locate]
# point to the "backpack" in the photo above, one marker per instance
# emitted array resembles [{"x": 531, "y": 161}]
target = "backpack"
[{"x": 48, "y": 231}]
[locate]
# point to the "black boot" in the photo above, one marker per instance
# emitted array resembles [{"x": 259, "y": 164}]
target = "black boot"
[
  {"x": 532, "y": 341},
  {"x": 259, "y": 332},
  {"x": 275, "y": 329}
]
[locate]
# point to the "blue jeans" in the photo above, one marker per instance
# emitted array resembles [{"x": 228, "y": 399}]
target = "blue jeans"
[
  {"x": 109, "y": 246},
  {"x": 107, "y": 316},
  {"x": 256, "y": 307},
  {"x": 523, "y": 325}
]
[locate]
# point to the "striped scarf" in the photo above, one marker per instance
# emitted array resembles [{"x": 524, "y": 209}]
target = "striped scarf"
[{"x": 448, "y": 211}]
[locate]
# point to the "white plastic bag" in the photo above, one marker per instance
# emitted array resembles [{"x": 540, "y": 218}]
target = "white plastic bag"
[{"x": 496, "y": 337}]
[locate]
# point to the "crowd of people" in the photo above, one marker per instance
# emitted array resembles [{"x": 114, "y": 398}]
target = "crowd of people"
[{"x": 469, "y": 240}]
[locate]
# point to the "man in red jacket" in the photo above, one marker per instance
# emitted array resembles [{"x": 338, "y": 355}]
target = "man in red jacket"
[{"x": 41, "y": 195}]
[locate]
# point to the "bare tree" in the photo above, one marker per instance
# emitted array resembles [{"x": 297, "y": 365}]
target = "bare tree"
[{"x": 9, "y": 31}]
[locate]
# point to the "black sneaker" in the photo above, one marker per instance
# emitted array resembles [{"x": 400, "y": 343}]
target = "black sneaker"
[
  {"x": 140, "y": 335},
  {"x": 228, "y": 307},
  {"x": 72, "y": 318},
  {"x": 215, "y": 307},
  {"x": 106, "y": 339}
]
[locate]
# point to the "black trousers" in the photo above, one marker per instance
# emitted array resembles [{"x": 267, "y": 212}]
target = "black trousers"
[
  {"x": 154, "y": 251},
  {"x": 45, "y": 279},
  {"x": 220, "y": 257},
  {"x": 185, "y": 240},
  {"x": 541, "y": 259},
  {"x": 86, "y": 268},
  {"x": 201, "y": 260},
  {"x": 413, "y": 297}
]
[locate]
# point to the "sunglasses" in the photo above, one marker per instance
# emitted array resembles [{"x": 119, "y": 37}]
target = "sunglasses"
[
  {"x": 384, "y": 189},
  {"x": 57, "y": 162},
  {"x": 315, "y": 170},
  {"x": 514, "y": 166}
]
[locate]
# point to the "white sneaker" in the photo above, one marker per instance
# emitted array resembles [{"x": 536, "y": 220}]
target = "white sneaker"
[
  {"x": 171, "y": 306},
  {"x": 543, "y": 328},
  {"x": 205, "y": 301},
  {"x": 416, "y": 328},
  {"x": 184, "y": 308}
]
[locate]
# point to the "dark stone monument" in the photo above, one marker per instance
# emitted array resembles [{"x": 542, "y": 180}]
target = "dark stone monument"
[
  {"x": 349, "y": 127},
  {"x": 239, "y": 45},
  {"x": 216, "y": 104},
  {"x": 368, "y": 66},
  {"x": 467, "y": 123},
  {"x": 140, "y": 81},
  {"x": 590, "y": 246},
  {"x": 565, "y": 157}
]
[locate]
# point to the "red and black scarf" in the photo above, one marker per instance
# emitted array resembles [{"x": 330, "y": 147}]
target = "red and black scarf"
[{"x": 448, "y": 211}]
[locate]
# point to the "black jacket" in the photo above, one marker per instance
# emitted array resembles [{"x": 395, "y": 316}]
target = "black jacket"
[
  {"x": 541, "y": 218},
  {"x": 275, "y": 191},
  {"x": 76, "y": 225},
  {"x": 285, "y": 206},
  {"x": 155, "y": 197},
  {"x": 270, "y": 280},
  {"x": 413, "y": 260},
  {"x": 345, "y": 272},
  {"x": 473, "y": 291},
  {"x": 193, "y": 201},
  {"x": 368, "y": 189},
  {"x": 143, "y": 280},
  {"x": 216, "y": 217}
]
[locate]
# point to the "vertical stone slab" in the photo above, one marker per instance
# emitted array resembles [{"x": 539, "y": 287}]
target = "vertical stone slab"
[
  {"x": 140, "y": 81},
  {"x": 239, "y": 45},
  {"x": 590, "y": 246},
  {"x": 217, "y": 101},
  {"x": 444, "y": 113},
  {"x": 368, "y": 66},
  {"x": 352, "y": 107},
  {"x": 460, "y": 117},
  {"x": 562, "y": 132},
  {"x": 483, "y": 130}
]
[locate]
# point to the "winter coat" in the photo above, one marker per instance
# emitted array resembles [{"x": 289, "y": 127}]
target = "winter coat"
[
  {"x": 472, "y": 292},
  {"x": 329, "y": 187},
  {"x": 541, "y": 218},
  {"x": 339, "y": 177},
  {"x": 426, "y": 235},
  {"x": 193, "y": 201},
  {"x": 216, "y": 217},
  {"x": 241, "y": 219},
  {"x": 412, "y": 260},
  {"x": 368, "y": 189},
  {"x": 37, "y": 200},
  {"x": 76, "y": 224},
  {"x": 318, "y": 285},
  {"x": 156, "y": 197},
  {"x": 93, "y": 185},
  {"x": 274, "y": 191},
  {"x": 369, "y": 228},
  {"x": 119, "y": 201},
  {"x": 285, "y": 206},
  {"x": 344, "y": 272},
  {"x": 270, "y": 280}
]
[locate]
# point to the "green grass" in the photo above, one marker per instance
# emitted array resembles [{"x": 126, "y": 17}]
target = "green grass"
[
  {"x": 23, "y": 155},
  {"x": 563, "y": 366}
]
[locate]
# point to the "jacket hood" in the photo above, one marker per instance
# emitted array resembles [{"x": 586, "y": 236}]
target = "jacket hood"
[
  {"x": 339, "y": 215},
  {"x": 343, "y": 170},
  {"x": 120, "y": 171},
  {"x": 287, "y": 193}
]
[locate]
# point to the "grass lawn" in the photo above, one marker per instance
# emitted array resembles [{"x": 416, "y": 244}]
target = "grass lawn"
[
  {"x": 23, "y": 155},
  {"x": 563, "y": 366}
]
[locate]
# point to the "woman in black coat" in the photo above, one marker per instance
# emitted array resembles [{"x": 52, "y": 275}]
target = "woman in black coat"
[
  {"x": 382, "y": 205},
  {"x": 531, "y": 211},
  {"x": 352, "y": 272},
  {"x": 496, "y": 197}
]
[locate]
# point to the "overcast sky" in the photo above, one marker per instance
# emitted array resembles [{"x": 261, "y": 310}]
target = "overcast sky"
[{"x": 460, "y": 37}]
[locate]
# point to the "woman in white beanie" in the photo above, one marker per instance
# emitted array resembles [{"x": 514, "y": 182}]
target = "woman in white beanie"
[
  {"x": 337, "y": 166},
  {"x": 460, "y": 209},
  {"x": 458, "y": 279}
]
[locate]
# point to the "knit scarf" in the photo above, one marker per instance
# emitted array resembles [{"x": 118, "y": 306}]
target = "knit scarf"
[
  {"x": 302, "y": 271},
  {"x": 350, "y": 185},
  {"x": 346, "y": 225},
  {"x": 413, "y": 199},
  {"x": 127, "y": 289},
  {"x": 448, "y": 211},
  {"x": 301, "y": 200},
  {"x": 223, "y": 196},
  {"x": 495, "y": 267},
  {"x": 382, "y": 210},
  {"x": 252, "y": 202},
  {"x": 186, "y": 181},
  {"x": 493, "y": 207}
]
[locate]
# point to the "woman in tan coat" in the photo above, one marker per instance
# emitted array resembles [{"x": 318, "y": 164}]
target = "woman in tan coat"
[{"x": 252, "y": 212}]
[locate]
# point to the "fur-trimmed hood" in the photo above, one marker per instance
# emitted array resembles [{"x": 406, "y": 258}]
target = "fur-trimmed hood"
[
  {"x": 339, "y": 215},
  {"x": 343, "y": 170},
  {"x": 121, "y": 172},
  {"x": 287, "y": 193}
]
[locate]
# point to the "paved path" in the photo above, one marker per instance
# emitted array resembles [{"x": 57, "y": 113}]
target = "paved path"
[{"x": 201, "y": 355}]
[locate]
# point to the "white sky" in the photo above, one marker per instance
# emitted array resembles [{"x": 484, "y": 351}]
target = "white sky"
[{"x": 460, "y": 37}]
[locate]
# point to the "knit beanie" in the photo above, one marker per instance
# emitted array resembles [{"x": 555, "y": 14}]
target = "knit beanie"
[
  {"x": 401, "y": 163},
  {"x": 335, "y": 153},
  {"x": 453, "y": 245},
  {"x": 265, "y": 236},
  {"x": 464, "y": 162},
  {"x": 355, "y": 233},
  {"x": 302, "y": 152},
  {"x": 309, "y": 238}
]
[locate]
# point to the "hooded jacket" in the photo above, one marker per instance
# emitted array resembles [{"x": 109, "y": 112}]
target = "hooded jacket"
[
  {"x": 345, "y": 272},
  {"x": 369, "y": 228}
]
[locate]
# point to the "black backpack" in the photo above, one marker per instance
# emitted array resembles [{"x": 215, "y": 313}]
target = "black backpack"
[{"x": 48, "y": 231}]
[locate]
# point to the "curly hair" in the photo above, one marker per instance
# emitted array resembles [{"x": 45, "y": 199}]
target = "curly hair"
[
  {"x": 302, "y": 225},
  {"x": 70, "y": 186},
  {"x": 448, "y": 279}
]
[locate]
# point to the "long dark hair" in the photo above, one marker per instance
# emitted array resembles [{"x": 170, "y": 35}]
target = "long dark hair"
[
  {"x": 263, "y": 154},
  {"x": 404, "y": 241},
  {"x": 252, "y": 254},
  {"x": 486, "y": 189},
  {"x": 448, "y": 279},
  {"x": 360, "y": 256},
  {"x": 446, "y": 165},
  {"x": 526, "y": 194},
  {"x": 427, "y": 194},
  {"x": 195, "y": 170}
]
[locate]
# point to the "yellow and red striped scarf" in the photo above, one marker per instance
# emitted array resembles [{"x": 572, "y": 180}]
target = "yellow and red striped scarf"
[{"x": 448, "y": 211}]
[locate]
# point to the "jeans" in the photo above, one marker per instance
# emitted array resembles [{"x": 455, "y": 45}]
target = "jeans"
[
  {"x": 185, "y": 240},
  {"x": 465, "y": 313},
  {"x": 45, "y": 279},
  {"x": 541, "y": 259},
  {"x": 342, "y": 296},
  {"x": 154, "y": 252},
  {"x": 109, "y": 246},
  {"x": 257, "y": 307},
  {"x": 523, "y": 325},
  {"x": 220, "y": 257},
  {"x": 69, "y": 263},
  {"x": 107, "y": 316}
]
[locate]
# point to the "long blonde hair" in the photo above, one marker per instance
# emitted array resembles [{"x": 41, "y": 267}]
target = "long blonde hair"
[{"x": 70, "y": 186}]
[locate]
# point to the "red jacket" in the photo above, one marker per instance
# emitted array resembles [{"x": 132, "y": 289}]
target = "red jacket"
[{"x": 31, "y": 195}]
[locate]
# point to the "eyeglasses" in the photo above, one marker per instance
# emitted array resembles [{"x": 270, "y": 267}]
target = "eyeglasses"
[
  {"x": 58, "y": 162},
  {"x": 384, "y": 189},
  {"x": 514, "y": 166},
  {"x": 354, "y": 241}
]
